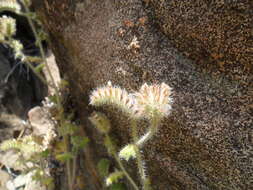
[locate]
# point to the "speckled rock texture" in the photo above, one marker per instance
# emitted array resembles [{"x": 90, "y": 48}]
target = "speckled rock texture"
[
  {"x": 206, "y": 142},
  {"x": 216, "y": 34}
]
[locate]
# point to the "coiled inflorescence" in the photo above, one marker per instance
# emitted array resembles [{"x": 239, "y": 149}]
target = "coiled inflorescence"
[
  {"x": 154, "y": 100},
  {"x": 10, "y": 5},
  {"x": 151, "y": 100},
  {"x": 7, "y": 27},
  {"x": 115, "y": 96}
]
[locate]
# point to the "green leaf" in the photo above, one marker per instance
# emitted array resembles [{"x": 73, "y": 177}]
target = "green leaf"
[
  {"x": 109, "y": 145},
  {"x": 103, "y": 167},
  {"x": 79, "y": 142},
  {"x": 64, "y": 83},
  {"x": 64, "y": 156},
  {"x": 47, "y": 181},
  {"x": 27, "y": 3},
  {"x": 42, "y": 35},
  {"x": 114, "y": 178},
  {"x": 45, "y": 153},
  {"x": 68, "y": 129},
  {"x": 37, "y": 176},
  {"x": 118, "y": 186},
  {"x": 39, "y": 68},
  {"x": 53, "y": 99}
]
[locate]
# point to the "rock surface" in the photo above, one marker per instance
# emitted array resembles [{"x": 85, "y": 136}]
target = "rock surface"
[
  {"x": 216, "y": 34},
  {"x": 5, "y": 177},
  {"x": 206, "y": 143}
]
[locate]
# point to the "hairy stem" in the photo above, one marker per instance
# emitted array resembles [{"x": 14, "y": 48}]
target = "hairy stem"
[
  {"x": 54, "y": 85},
  {"x": 140, "y": 162},
  {"x": 151, "y": 132},
  {"x": 42, "y": 52},
  {"x": 116, "y": 157}
]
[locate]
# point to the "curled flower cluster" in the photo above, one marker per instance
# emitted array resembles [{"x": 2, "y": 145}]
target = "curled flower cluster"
[
  {"x": 28, "y": 146},
  {"x": 10, "y": 5},
  {"x": 116, "y": 96},
  {"x": 150, "y": 101},
  {"x": 47, "y": 139},
  {"x": 101, "y": 122},
  {"x": 155, "y": 100},
  {"x": 7, "y": 26},
  {"x": 18, "y": 49}
]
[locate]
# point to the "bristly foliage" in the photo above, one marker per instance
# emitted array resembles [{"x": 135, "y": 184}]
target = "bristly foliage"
[
  {"x": 10, "y": 5},
  {"x": 28, "y": 145},
  {"x": 116, "y": 96},
  {"x": 155, "y": 100},
  {"x": 152, "y": 102}
]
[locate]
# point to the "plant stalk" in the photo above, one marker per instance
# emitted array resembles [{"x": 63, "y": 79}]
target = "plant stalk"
[
  {"x": 54, "y": 85},
  {"x": 42, "y": 52},
  {"x": 115, "y": 155},
  {"x": 140, "y": 162},
  {"x": 151, "y": 132}
]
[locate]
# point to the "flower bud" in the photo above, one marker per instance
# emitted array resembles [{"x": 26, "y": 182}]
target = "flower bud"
[
  {"x": 115, "y": 96},
  {"x": 10, "y": 5},
  {"x": 7, "y": 26},
  {"x": 101, "y": 122},
  {"x": 128, "y": 152}
]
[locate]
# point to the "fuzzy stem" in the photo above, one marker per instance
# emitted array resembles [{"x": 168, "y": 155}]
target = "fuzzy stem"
[
  {"x": 27, "y": 63},
  {"x": 42, "y": 52},
  {"x": 151, "y": 132},
  {"x": 124, "y": 171},
  {"x": 140, "y": 162},
  {"x": 116, "y": 157},
  {"x": 144, "y": 139}
]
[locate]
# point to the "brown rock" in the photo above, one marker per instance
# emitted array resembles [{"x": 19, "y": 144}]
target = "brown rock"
[
  {"x": 211, "y": 33},
  {"x": 40, "y": 121},
  {"x": 4, "y": 178}
]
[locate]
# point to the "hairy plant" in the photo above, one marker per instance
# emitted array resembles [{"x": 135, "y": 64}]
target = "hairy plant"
[
  {"x": 30, "y": 150},
  {"x": 152, "y": 102},
  {"x": 72, "y": 143}
]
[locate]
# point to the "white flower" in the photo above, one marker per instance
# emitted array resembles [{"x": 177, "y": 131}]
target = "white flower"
[
  {"x": 7, "y": 26},
  {"x": 10, "y": 5},
  {"x": 155, "y": 100},
  {"x": 18, "y": 48},
  {"x": 115, "y": 96}
]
